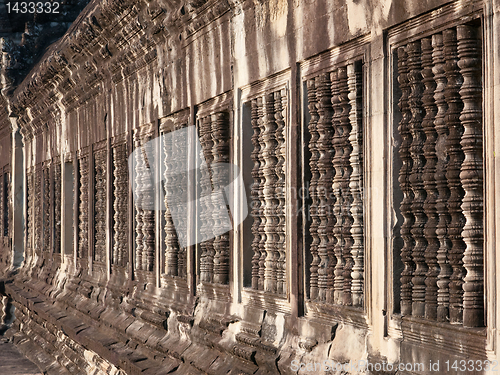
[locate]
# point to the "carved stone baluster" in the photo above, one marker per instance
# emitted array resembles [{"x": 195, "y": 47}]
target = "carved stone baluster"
[
  {"x": 429, "y": 181},
  {"x": 47, "y": 207},
  {"x": 356, "y": 182},
  {"x": 345, "y": 129},
  {"x": 139, "y": 238},
  {"x": 207, "y": 251},
  {"x": 182, "y": 189},
  {"x": 471, "y": 175},
  {"x": 171, "y": 243},
  {"x": 30, "y": 214},
  {"x": 148, "y": 218},
  {"x": 263, "y": 204},
  {"x": 404, "y": 182},
  {"x": 57, "y": 207},
  {"x": 443, "y": 294},
  {"x": 38, "y": 211},
  {"x": 220, "y": 152},
  {"x": 83, "y": 216},
  {"x": 279, "y": 115},
  {"x": 337, "y": 146},
  {"x": 313, "y": 166},
  {"x": 324, "y": 166},
  {"x": 417, "y": 185},
  {"x": 120, "y": 204},
  {"x": 271, "y": 201},
  {"x": 256, "y": 203},
  {"x": 100, "y": 206},
  {"x": 455, "y": 160}
]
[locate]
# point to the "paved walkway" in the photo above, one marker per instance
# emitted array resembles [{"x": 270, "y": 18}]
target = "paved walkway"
[{"x": 12, "y": 362}]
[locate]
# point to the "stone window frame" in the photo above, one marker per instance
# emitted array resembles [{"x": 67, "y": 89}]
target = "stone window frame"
[
  {"x": 243, "y": 132},
  {"x": 219, "y": 104},
  {"x": 416, "y": 330},
  {"x": 354, "y": 52}
]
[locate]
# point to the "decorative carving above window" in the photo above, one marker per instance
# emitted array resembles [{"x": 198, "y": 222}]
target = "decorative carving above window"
[
  {"x": 335, "y": 186},
  {"x": 441, "y": 177}
]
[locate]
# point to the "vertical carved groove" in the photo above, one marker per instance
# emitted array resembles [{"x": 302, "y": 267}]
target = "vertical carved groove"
[
  {"x": 345, "y": 130},
  {"x": 57, "y": 207},
  {"x": 220, "y": 153},
  {"x": 404, "y": 173},
  {"x": 7, "y": 217},
  {"x": 356, "y": 182},
  {"x": 471, "y": 174},
  {"x": 313, "y": 188},
  {"x": 456, "y": 157},
  {"x": 429, "y": 181},
  {"x": 100, "y": 206},
  {"x": 120, "y": 204},
  {"x": 324, "y": 190},
  {"x": 255, "y": 192}
]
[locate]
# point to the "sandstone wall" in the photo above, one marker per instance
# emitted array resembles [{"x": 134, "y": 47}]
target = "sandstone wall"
[{"x": 339, "y": 96}]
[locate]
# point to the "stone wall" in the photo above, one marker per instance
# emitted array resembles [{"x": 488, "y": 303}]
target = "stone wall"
[{"x": 364, "y": 133}]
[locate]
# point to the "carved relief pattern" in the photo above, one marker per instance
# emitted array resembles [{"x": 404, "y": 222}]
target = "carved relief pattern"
[
  {"x": 57, "y": 207},
  {"x": 7, "y": 214},
  {"x": 83, "y": 207},
  {"x": 336, "y": 226},
  {"x": 268, "y": 262},
  {"x": 442, "y": 177},
  {"x": 471, "y": 174},
  {"x": 120, "y": 205},
  {"x": 3, "y": 204},
  {"x": 100, "y": 206}
]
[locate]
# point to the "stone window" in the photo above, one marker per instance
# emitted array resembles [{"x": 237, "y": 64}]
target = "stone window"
[
  {"x": 439, "y": 94},
  {"x": 214, "y": 135},
  {"x": 120, "y": 204},
  {"x": 334, "y": 181},
  {"x": 268, "y": 120},
  {"x": 83, "y": 205}
]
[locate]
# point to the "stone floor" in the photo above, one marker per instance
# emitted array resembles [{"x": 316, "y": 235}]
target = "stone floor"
[{"x": 12, "y": 362}]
